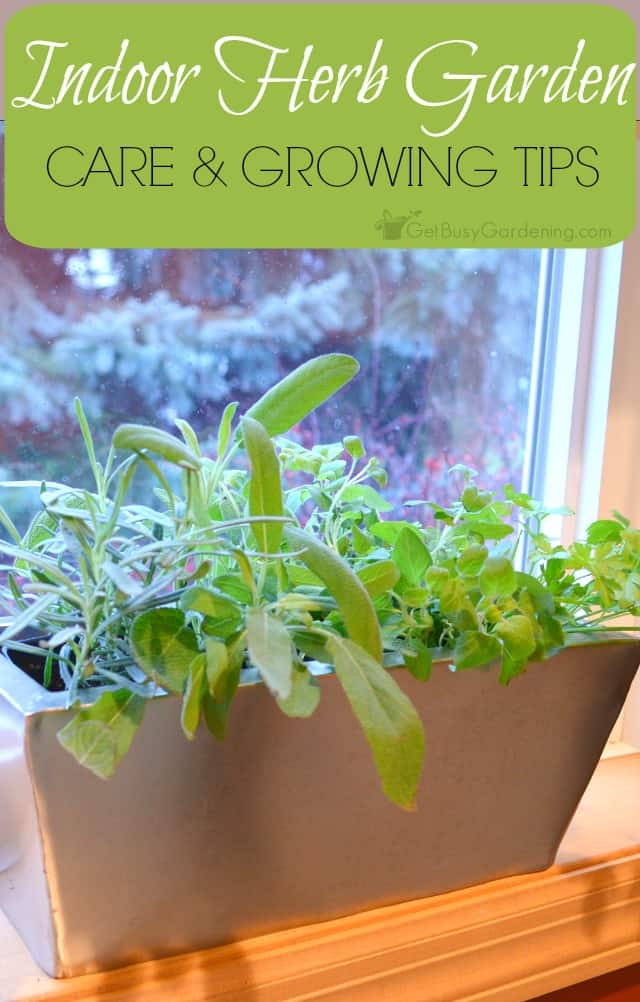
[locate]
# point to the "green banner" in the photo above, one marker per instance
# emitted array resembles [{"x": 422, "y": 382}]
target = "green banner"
[{"x": 320, "y": 125}]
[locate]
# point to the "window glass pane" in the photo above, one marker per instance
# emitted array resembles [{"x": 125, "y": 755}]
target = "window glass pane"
[{"x": 444, "y": 337}]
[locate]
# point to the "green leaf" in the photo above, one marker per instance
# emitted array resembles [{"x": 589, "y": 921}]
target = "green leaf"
[
  {"x": 622, "y": 519},
  {"x": 554, "y": 568},
  {"x": 518, "y": 498},
  {"x": 487, "y": 529},
  {"x": 265, "y": 491},
  {"x": 223, "y": 675},
  {"x": 415, "y": 597},
  {"x": 88, "y": 441},
  {"x": 419, "y": 661},
  {"x": 516, "y": 634},
  {"x": 192, "y": 699},
  {"x": 189, "y": 436},
  {"x": 467, "y": 472},
  {"x": 552, "y": 630},
  {"x": 440, "y": 514},
  {"x": 474, "y": 649},
  {"x": 235, "y": 587},
  {"x": 353, "y": 445},
  {"x": 270, "y": 650},
  {"x": 332, "y": 470},
  {"x": 390, "y": 722},
  {"x": 346, "y": 587},
  {"x": 303, "y": 577},
  {"x": 143, "y": 438},
  {"x": 311, "y": 645},
  {"x": 221, "y": 627},
  {"x": 510, "y": 668},
  {"x": 498, "y": 578},
  {"x": 471, "y": 561},
  {"x": 361, "y": 542},
  {"x": 604, "y": 531},
  {"x": 197, "y": 506},
  {"x": 411, "y": 555},
  {"x": 294, "y": 602},
  {"x": 210, "y": 603},
  {"x": 474, "y": 500},
  {"x": 216, "y": 715},
  {"x": 304, "y": 696},
  {"x": 541, "y": 597},
  {"x": 246, "y": 571},
  {"x": 437, "y": 579},
  {"x": 100, "y": 736},
  {"x": 379, "y": 577},
  {"x": 304, "y": 389},
  {"x": 16, "y": 594},
  {"x": 453, "y": 596},
  {"x": 217, "y": 659},
  {"x": 388, "y": 532},
  {"x": 164, "y": 646},
  {"x": 224, "y": 428},
  {"x": 6, "y": 521},
  {"x": 368, "y": 495}
]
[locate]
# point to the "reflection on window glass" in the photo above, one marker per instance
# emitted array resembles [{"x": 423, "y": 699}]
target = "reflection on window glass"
[{"x": 444, "y": 339}]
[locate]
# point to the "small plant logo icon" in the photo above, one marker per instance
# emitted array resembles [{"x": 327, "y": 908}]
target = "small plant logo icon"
[{"x": 392, "y": 226}]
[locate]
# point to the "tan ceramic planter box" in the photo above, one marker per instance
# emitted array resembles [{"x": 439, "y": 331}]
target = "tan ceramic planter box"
[{"x": 194, "y": 844}]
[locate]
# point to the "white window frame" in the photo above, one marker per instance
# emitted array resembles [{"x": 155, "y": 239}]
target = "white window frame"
[
  {"x": 583, "y": 442},
  {"x": 571, "y": 382}
]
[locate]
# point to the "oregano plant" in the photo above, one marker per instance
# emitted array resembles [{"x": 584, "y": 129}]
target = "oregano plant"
[{"x": 261, "y": 555}]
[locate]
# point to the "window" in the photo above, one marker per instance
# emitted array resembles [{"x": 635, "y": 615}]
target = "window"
[
  {"x": 497, "y": 359},
  {"x": 446, "y": 340}
]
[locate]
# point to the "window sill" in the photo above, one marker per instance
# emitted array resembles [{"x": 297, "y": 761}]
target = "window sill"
[{"x": 506, "y": 941}]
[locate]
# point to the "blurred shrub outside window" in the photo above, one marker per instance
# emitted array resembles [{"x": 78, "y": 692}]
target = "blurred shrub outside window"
[{"x": 445, "y": 339}]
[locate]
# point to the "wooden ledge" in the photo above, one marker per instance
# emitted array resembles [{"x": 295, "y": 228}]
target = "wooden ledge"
[{"x": 506, "y": 941}]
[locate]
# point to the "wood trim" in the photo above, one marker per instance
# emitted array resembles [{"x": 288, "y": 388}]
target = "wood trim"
[{"x": 503, "y": 942}]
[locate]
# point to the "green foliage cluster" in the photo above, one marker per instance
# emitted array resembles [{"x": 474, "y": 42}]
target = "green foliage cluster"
[{"x": 281, "y": 560}]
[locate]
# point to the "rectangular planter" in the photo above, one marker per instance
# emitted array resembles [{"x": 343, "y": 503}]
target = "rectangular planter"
[{"x": 195, "y": 844}]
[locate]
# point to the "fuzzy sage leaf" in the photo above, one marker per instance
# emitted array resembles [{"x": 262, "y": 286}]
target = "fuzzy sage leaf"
[
  {"x": 270, "y": 650},
  {"x": 164, "y": 646},
  {"x": 223, "y": 675},
  {"x": 193, "y": 694},
  {"x": 391, "y": 725},
  {"x": 304, "y": 389},
  {"x": 141, "y": 438},
  {"x": 224, "y": 428},
  {"x": 265, "y": 489},
  {"x": 100, "y": 736},
  {"x": 345, "y": 586},
  {"x": 304, "y": 696}
]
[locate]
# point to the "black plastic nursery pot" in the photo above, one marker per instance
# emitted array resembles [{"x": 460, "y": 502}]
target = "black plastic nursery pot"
[{"x": 193, "y": 844}]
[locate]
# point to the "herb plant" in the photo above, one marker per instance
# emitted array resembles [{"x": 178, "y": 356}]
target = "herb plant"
[{"x": 281, "y": 560}]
